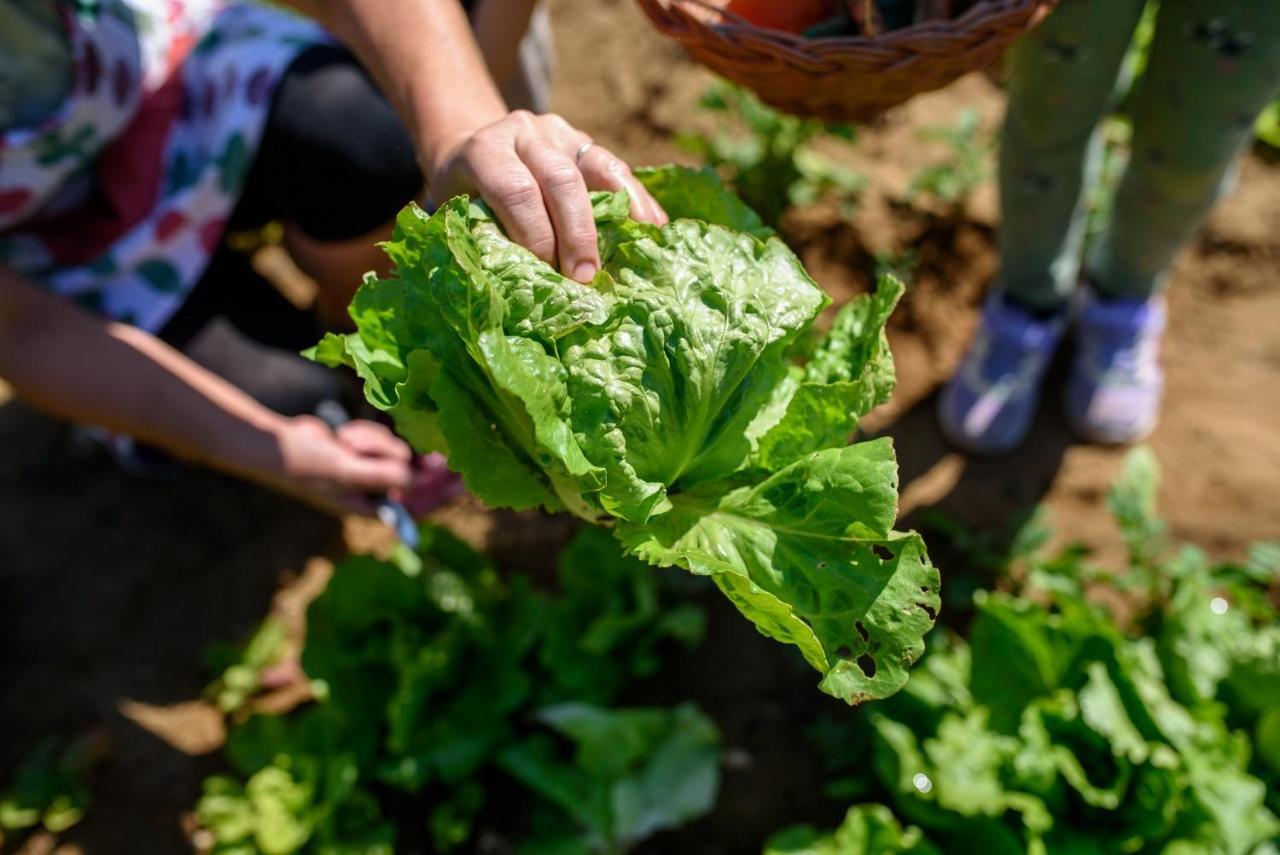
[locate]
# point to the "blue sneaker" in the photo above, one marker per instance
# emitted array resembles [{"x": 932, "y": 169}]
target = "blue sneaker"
[
  {"x": 987, "y": 407},
  {"x": 1114, "y": 389}
]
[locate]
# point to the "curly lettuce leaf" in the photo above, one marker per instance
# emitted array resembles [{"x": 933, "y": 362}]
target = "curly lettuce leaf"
[
  {"x": 663, "y": 393},
  {"x": 660, "y": 399},
  {"x": 687, "y": 194},
  {"x": 849, "y": 373},
  {"x": 867, "y": 828},
  {"x": 810, "y": 557}
]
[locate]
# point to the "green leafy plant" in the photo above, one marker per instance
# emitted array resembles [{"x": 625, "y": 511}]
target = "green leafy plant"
[
  {"x": 870, "y": 829},
  {"x": 608, "y": 608},
  {"x": 770, "y": 158},
  {"x": 242, "y": 667},
  {"x": 631, "y": 773},
  {"x": 1052, "y": 728},
  {"x": 897, "y": 265},
  {"x": 1133, "y": 502},
  {"x": 659, "y": 401},
  {"x": 424, "y": 681},
  {"x": 1268, "y": 127},
  {"x": 954, "y": 179},
  {"x": 303, "y": 793},
  {"x": 50, "y": 788}
]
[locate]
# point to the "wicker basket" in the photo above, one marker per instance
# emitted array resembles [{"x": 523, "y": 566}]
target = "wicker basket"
[{"x": 847, "y": 78}]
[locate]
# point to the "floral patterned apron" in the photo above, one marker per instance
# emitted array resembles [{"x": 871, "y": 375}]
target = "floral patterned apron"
[{"x": 119, "y": 199}]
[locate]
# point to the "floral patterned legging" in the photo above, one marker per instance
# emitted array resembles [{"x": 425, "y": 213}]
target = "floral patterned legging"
[{"x": 1213, "y": 66}]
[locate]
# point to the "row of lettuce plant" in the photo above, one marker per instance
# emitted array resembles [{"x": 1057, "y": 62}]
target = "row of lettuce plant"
[
  {"x": 1063, "y": 725},
  {"x": 432, "y": 685}
]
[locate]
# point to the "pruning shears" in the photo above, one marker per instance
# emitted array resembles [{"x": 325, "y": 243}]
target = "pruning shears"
[{"x": 390, "y": 512}]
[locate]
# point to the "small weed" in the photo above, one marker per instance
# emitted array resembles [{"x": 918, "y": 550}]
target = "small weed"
[
  {"x": 954, "y": 179},
  {"x": 901, "y": 265},
  {"x": 769, "y": 157}
]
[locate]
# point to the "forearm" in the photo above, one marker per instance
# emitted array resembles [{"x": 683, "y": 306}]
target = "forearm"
[
  {"x": 425, "y": 59},
  {"x": 72, "y": 365}
]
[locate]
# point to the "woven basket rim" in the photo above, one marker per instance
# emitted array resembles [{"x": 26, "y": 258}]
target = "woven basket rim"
[
  {"x": 809, "y": 76},
  {"x": 903, "y": 37}
]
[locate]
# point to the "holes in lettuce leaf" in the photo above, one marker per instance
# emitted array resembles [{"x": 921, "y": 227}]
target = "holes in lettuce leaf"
[{"x": 867, "y": 664}]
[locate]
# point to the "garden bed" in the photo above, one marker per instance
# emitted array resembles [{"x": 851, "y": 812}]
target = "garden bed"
[{"x": 111, "y": 588}]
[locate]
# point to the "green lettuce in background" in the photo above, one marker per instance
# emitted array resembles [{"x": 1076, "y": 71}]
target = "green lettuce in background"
[
  {"x": 631, "y": 774},
  {"x": 1059, "y": 726},
  {"x": 50, "y": 789},
  {"x": 433, "y": 685},
  {"x": 660, "y": 400}
]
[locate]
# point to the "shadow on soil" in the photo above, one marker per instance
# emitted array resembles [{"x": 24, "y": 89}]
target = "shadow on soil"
[{"x": 111, "y": 588}]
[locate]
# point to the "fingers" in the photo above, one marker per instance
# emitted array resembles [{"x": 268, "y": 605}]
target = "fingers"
[
  {"x": 524, "y": 167},
  {"x": 506, "y": 183},
  {"x": 374, "y": 440},
  {"x": 367, "y": 456},
  {"x": 342, "y": 471},
  {"x": 603, "y": 170},
  {"x": 372, "y": 474},
  {"x": 565, "y": 192}
]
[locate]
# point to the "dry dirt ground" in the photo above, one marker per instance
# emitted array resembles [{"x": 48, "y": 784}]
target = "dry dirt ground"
[{"x": 111, "y": 587}]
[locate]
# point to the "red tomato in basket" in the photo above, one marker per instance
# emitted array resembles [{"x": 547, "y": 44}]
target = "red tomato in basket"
[{"x": 794, "y": 16}]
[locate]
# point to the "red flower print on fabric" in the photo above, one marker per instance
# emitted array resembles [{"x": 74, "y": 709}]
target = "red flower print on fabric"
[
  {"x": 12, "y": 200},
  {"x": 211, "y": 234},
  {"x": 169, "y": 224}
]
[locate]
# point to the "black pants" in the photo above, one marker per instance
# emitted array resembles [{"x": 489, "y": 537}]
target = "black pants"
[{"x": 336, "y": 162}]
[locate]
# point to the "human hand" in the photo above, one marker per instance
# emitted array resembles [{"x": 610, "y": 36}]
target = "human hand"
[
  {"x": 344, "y": 470},
  {"x": 535, "y": 171}
]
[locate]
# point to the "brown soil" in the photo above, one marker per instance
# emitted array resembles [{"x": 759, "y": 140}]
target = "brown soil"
[{"x": 111, "y": 587}]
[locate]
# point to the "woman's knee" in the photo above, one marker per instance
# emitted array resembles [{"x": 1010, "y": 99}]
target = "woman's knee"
[{"x": 351, "y": 161}]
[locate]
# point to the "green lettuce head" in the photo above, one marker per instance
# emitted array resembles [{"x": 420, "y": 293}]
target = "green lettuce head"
[{"x": 662, "y": 400}]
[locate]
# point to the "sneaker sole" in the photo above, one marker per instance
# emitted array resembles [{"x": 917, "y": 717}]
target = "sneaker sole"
[{"x": 1102, "y": 437}]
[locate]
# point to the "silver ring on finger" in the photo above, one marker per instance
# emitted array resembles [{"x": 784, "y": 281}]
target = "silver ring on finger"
[{"x": 582, "y": 151}]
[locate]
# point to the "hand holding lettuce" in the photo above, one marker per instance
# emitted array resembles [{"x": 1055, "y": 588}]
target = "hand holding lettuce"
[{"x": 660, "y": 401}]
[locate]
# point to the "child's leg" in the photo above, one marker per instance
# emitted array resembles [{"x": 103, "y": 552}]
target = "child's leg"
[
  {"x": 1213, "y": 68},
  {"x": 1064, "y": 76}
]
